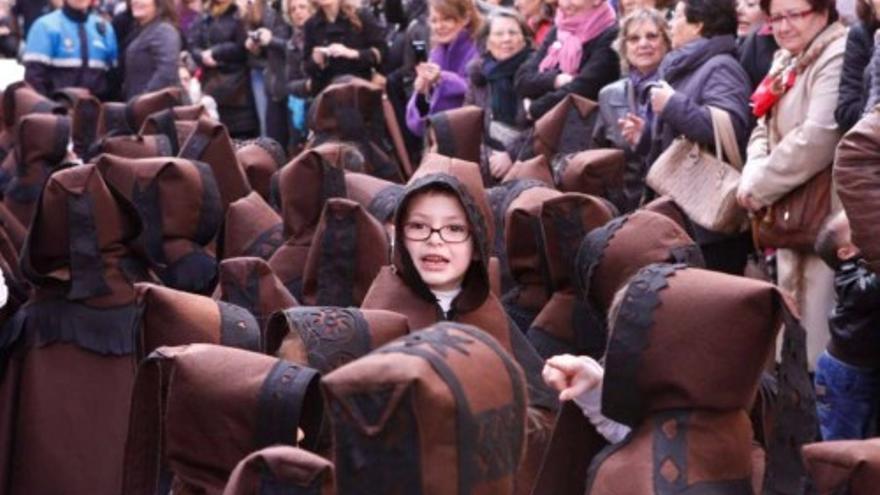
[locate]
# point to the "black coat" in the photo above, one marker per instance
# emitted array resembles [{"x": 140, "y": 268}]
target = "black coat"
[
  {"x": 229, "y": 82},
  {"x": 755, "y": 53},
  {"x": 599, "y": 66},
  {"x": 368, "y": 41},
  {"x": 855, "y": 319},
  {"x": 704, "y": 72},
  {"x": 854, "y": 80},
  {"x": 9, "y": 42},
  {"x": 276, "y": 55},
  {"x": 153, "y": 54}
]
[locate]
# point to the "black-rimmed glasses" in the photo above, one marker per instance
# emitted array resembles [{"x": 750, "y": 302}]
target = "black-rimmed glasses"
[{"x": 453, "y": 234}]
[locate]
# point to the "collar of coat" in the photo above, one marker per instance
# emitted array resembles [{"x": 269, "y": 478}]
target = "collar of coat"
[{"x": 784, "y": 60}]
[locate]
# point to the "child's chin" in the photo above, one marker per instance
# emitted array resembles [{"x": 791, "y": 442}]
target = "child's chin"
[{"x": 438, "y": 282}]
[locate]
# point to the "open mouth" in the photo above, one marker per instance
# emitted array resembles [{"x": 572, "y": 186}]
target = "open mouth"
[{"x": 434, "y": 262}]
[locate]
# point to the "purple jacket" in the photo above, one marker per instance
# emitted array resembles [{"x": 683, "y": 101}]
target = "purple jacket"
[{"x": 450, "y": 91}]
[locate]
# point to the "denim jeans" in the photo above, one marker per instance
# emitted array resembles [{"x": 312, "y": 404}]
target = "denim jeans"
[
  {"x": 261, "y": 100},
  {"x": 847, "y": 399}
]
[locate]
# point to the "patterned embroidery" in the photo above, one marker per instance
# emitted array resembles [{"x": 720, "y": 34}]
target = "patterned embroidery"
[
  {"x": 439, "y": 340},
  {"x": 332, "y": 336},
  {"x": 623, "y": 403},
  {"x": 495, "y": 458}
]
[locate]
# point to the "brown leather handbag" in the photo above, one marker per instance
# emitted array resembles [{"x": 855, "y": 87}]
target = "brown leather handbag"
[{"x": 794, "y": 221}]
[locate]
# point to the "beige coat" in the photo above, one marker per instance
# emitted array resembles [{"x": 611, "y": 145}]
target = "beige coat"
[{"x": 796, "y": 141}]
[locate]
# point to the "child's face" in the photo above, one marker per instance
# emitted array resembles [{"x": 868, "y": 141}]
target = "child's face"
[{"x": 441, "y": 264}]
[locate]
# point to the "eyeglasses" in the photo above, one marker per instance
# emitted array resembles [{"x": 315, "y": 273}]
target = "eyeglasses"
[
  {"x": 453, "y": 234},
  {"x": 650, "y": 37},
  {"x": 791, "y": 17}
]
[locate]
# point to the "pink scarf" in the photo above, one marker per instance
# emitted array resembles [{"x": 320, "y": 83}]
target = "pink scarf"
[{"x": 572, "y": 33}]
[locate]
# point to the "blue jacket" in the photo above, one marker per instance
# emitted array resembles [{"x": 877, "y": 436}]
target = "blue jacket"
[{"x": 53, "y": 53}]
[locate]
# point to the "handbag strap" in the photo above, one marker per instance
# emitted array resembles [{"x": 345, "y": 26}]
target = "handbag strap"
[{"x": 725, "y": 137}]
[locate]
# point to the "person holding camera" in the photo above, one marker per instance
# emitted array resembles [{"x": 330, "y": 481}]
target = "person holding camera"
[
  {"x": 342, "y": 39},
  {"x": 441, "y": 78},
  {"x": 271, "y": 39}
]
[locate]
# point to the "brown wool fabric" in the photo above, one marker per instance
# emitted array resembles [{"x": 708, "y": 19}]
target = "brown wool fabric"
[
  {"x": 327, "y": 337},
  {"x": 305, "y": 185},
  {"x": 210, "y": 143},
  {"x": 667, "y": 207},
  {"x": 146, "y": 104},
  {"x": 252, "y": 228},
  {"x": 251, "y": 284},
  {"x": 20, "y": 99},
  {"x": 674, "y": 451},
  {"x": 115, "y": 119},
  {"x": 290, "y": 470},
  {"x": 13, "y": 227},
  {"x": 176, "y": 123},
  {"x": 735, "y": 329},
  {"x": 844, "y": 466},
  {"x": 379, "y": 197},
  {"x": 458, "y": 133},
  {"x": 179, "y": 204},
  {"x": 81, "y": 259},
  {"x": 597, "y": 172},
  {"x": 67, "y": 358},
  {"x": 84, "y": 111},
  {"x": 261, "y": 158},
  {"x": 469, "y": 397},
  {"x": 611, "y": 254},
  {"x": 525, "y": 250},
  {"x": 856, "y": 178},
  {"x": 40, "y": 149},
  {"x": 347, "y": 252},
  {"x": 536, "y": 168},
  {"x": 19, "y": 290},
  {"x": 172, "y": 317},
  {"x": 562, "y": 325},
  {"x": 565, "y": 220},
  {"x": 562, "y": 126},
  {"x": 198, "y": 410},
  {"x": 571, "y": 448},
  {"x": 127, "y": 118},
  {"x": 351, "y": 110},
  {"x": 150, "y": 146}
]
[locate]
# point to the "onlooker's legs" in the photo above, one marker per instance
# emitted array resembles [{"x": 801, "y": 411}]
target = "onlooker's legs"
[
  {"x": 846, "y": 399},
  {"x": 276, "y": 122},
  {"x": 258, "y": 88}
]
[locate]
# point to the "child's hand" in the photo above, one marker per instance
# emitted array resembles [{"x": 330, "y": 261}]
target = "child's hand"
[{"x": 571, "y": 376}]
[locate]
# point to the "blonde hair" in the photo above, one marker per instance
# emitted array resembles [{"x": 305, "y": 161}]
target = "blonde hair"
[{"x": 639, "y": 16}]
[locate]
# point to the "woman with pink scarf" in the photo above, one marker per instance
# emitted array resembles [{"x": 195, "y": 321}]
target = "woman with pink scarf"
[{"x": 575, "y": 57}]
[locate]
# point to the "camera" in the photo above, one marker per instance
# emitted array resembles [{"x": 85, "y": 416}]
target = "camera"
[
  {"x": 420, "y": 48},
  {"x": 254, "y": 36}
]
